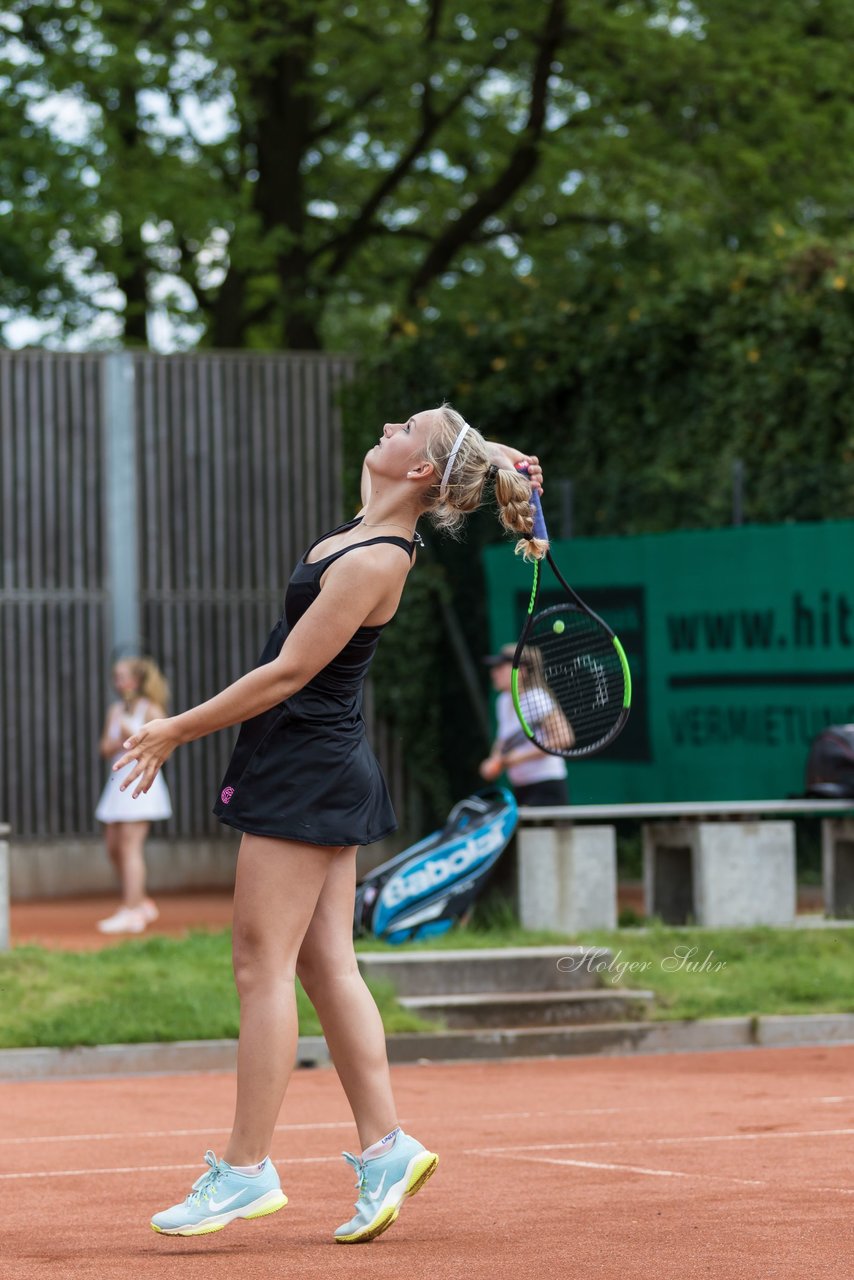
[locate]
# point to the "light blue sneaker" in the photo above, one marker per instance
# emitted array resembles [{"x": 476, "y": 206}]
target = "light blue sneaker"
[
  {"x": 384, "y": 1182},
  {"x": 221, "y": 1195}
]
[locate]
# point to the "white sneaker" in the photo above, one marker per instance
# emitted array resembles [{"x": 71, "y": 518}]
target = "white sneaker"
[
  {"x": 125, "y": 920},
  {"x": 149, "y": 911}
]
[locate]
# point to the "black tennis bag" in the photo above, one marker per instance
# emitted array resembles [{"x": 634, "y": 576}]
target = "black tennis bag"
[
  {"x": 830, "y": 764},
  {"x": 428, "y": 887}
]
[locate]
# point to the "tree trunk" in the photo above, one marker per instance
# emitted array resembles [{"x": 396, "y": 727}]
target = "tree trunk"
[
  {"x": 134, "y": 285},
  {"x": 227, "y": 328},
  {"x": 133, "y": 267},
  {"x": 282, "y": 103}
]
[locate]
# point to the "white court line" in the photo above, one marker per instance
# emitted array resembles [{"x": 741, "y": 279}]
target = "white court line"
[
  {"x": 149, "y": 1168},
  {"x": 639, "y": 1168},
  {"x": 703, "y": 1176},
  {"x": 581, "y": 1164},
  {"x": 318, "y": 1125},
  {"x": 624, "y": 1142},
  {"x": 163, "y": 1133},
  {"x": 344, "y": 1124}
]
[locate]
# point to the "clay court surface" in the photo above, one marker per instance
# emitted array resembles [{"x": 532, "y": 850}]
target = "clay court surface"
[
  {"x": 720, "y": 1166},
  {"x": 70, "y": 923}
]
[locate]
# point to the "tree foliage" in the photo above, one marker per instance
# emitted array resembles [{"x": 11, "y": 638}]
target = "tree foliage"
[{"x": 305, "y": 172}]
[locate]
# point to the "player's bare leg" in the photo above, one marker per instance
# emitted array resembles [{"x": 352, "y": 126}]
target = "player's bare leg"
[
  {"x": 348, "y": 1014},
  {"x": 277, "y": 886},
  {"x": 392, "y": 1164},
  {"x": 276, "y": 890}
]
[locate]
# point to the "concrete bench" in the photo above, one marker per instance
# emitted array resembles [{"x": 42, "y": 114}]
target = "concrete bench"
[
  {"x": 716, "y": 863},
  {"x": 4, "y": 887},
  {"x": 837, "y": 848}
]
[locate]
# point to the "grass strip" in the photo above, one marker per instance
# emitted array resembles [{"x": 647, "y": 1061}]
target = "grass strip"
[
  {"x": 161, "y": 989},
  {"x": 139, "y": 991}
]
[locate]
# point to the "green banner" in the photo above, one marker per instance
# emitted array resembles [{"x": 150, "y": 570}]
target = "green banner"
[{"x": 741, "y": 646}]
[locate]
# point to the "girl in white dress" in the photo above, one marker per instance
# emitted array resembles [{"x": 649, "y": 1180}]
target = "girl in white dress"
[{"x": 144, "y": 694}]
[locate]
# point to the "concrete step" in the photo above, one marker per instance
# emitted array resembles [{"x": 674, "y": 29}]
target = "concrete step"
[
  {"x": 499, "y": 969},
  {"x": 514, "y": 1009}
]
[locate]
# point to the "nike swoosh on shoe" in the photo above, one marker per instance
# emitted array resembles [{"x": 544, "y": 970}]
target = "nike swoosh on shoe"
[
  {"x": 217, "y": 1206},
  {"x": 374, "y": 1196}
]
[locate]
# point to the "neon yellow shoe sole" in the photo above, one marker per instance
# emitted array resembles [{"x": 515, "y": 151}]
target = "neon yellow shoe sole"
[
  {"x": 208, "y": 1226},
  {"x": 423, "y": 1168}
]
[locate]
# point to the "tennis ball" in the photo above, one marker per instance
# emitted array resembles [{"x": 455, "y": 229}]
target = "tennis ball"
[{"x": 558, "y": 627}]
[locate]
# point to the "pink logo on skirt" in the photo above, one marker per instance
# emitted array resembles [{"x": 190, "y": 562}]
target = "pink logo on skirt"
[{"x": 226, "y": 794}]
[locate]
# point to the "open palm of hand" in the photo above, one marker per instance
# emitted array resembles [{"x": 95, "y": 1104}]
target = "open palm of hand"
[{"x": 148, "y": 749}]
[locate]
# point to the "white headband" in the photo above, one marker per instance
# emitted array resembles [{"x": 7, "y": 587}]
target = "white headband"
[{"x": 443, "y": 487}]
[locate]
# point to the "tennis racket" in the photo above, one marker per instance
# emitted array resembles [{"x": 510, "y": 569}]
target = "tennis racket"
[{"x": 571, "y": 684}]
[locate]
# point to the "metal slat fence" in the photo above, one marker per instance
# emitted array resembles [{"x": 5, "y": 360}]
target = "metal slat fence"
[
  {"x": 52, "y": 589},
  {"x": 237, "y": 468}
]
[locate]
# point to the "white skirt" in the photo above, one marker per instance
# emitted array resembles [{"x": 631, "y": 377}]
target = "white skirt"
[{"x": 119, "y": 806}]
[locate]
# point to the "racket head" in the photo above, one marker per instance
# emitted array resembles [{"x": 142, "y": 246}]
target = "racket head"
[{"x": 570, "y": 683}]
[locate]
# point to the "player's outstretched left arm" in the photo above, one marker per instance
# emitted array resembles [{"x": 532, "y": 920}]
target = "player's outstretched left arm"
[{"x": 365, "y": 590}]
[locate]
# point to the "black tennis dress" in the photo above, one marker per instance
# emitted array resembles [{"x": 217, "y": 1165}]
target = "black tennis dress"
[{"x": 304, "y": 770}]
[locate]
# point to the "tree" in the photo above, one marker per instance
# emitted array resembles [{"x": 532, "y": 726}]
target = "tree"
[
  {"x": 312, "y": 162},
  {"x": 30, "y": 236},
  {"x": 295, "y": 172},
  {"x": 643, "y": 401}
]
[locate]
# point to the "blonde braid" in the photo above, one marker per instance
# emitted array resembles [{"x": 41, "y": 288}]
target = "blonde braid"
[
  {"x": 513, "y": 495},
  {"x": 463, "y": 491}
]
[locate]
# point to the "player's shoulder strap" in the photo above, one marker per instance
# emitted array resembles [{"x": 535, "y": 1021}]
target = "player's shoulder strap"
[
  {"x": 404, "y": 543},
  {"x": 341, "y": 528}
]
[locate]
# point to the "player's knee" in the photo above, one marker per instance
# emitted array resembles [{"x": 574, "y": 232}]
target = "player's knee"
[
  {"x": 257, "y": 965},
  {"x": 319, "y": 966}
]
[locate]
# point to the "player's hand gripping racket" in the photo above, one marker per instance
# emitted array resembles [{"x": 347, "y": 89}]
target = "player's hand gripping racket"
[{"x": 571, "y": 684}]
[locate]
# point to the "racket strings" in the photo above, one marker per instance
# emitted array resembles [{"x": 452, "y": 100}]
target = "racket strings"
[{"x": 572, "y": 682}]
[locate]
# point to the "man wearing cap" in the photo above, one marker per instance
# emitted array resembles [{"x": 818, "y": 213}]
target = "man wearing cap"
[{"x": 536, "y": 777}]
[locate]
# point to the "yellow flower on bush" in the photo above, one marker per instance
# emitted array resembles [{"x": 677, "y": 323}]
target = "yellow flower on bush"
[
  {"x": 409, "y": 327},
  {"x": 840, "y": 282},
  {"x": 754, "y": 356},
  {"x": 635, "y": 314},
  {"x": 471, "y": 329},
  {"x": 498, "y": 364}
]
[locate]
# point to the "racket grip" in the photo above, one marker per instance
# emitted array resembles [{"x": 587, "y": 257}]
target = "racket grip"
[{"x": 539, "y": 530}]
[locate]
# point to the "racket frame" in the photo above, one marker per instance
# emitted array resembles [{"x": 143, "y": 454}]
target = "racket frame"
[{"x": 567, "y": 753}]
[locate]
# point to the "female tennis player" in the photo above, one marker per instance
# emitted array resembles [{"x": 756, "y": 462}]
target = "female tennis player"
[{"x": 305, "y": 789}]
